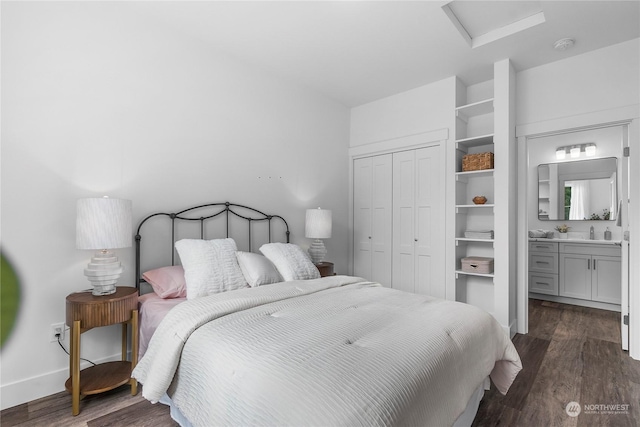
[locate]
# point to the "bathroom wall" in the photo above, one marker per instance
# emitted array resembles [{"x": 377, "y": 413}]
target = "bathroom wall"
[{"x": 543, "y": 150}]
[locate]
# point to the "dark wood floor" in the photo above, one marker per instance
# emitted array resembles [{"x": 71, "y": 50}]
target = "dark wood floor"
[{"x": 570, "y": 354}]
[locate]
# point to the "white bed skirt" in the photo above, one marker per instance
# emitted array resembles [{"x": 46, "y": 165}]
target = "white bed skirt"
[{"x": 464, "y": 420}]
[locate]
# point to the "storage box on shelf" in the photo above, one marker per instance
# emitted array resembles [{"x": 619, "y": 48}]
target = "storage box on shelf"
[{"x": 477, "y": 264}]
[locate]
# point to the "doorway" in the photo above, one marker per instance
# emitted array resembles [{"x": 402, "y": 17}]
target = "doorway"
[{"x": 589, "y": 265}]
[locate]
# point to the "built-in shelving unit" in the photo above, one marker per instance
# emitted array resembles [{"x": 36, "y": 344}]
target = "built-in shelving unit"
[
  {"x": 544, "y": 202},
  {"x": 481, "y": 127}
]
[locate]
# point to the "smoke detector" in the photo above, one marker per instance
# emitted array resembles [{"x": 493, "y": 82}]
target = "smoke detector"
[{"x": 564, "y": 44}]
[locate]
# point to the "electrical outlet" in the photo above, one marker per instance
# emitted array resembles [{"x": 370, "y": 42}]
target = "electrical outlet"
[{"x": 54, "y": 329}]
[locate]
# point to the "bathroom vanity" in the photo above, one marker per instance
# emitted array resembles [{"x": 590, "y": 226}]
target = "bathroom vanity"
[{"x": 579, "y": 272}]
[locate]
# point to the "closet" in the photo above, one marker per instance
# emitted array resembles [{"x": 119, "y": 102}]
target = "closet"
[{"x": 398, "y": 220}]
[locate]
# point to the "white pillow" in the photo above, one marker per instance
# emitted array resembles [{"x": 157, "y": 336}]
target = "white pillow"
[
  {"x": 257, "y": 269},
  {"x": 291, "y": 261},
  {"x": 210, "y": 266}
]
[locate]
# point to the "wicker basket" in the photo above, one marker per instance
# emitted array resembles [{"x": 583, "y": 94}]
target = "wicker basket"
[{"x": 476, "y": 162}]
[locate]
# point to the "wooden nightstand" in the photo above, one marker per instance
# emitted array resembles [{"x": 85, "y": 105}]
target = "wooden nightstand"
[
  {"x": 325, "y": 268},
  {"x": 86, "y": 311}
]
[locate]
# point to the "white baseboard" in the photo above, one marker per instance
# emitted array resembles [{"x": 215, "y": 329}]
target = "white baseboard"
[
  {"x": 576, "y": 301},
  {"x": 33, "y": 388}
]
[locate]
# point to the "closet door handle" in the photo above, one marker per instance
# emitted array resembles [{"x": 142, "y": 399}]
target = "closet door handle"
[
  {"x": 588, "y": 264},
  {"x": 594, "y": 264}
]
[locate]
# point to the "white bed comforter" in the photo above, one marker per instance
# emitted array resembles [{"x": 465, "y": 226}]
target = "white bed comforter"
[{"x": 331, "y": 351}]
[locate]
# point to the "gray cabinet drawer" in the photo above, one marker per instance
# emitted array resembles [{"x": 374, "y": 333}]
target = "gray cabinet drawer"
[
  {"x": 543, "y": 247},
  {"x": 590, "y": 249},
  {"x": 543, "y": 262},
  {"x": 543, "y": 283}
]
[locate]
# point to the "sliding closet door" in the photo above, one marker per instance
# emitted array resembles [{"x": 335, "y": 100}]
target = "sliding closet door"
[
  {"x": 429, "y": 207},
  {"x": 372, "y": 186},
  {"x": 362, "y": 202},
  {"x": 418, "y": 226},
  {"x": 404, "y": 235}
]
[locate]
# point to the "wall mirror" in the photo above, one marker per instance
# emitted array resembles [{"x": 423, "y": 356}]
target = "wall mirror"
[{"x": 578, "y": 191}]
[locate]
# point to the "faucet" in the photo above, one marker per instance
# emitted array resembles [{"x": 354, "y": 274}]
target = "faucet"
[{"x": 591, "y": 233}]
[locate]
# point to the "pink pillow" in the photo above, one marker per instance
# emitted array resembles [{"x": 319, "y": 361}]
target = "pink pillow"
[{"x": 167, "y": 282}]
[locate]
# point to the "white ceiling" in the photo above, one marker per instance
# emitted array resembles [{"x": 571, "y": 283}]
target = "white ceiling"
[{"x": 359, "y": 51}]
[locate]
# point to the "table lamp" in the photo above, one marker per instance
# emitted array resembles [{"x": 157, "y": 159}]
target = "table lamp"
[
  {"x": 103, "y": 224},
  {"x": 317, "y": 226}
]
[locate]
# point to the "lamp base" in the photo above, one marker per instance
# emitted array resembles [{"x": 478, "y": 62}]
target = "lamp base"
[
  {"x": 317, "y": 251},
  {"x": 100, "y": 290},
  {"x": 103, "y": 272}
]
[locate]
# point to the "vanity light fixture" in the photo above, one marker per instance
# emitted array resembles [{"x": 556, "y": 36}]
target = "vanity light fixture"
[{"x": 575, "y": 151}]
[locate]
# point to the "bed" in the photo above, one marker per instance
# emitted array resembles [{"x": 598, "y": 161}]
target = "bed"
[{"x": 305, "y": 350}]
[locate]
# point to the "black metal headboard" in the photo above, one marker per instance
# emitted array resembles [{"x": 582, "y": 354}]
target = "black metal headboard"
[{"x": 249, "y": 214}]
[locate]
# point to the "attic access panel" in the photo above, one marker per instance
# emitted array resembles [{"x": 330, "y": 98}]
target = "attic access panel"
[{"x": 483, "y": 22}]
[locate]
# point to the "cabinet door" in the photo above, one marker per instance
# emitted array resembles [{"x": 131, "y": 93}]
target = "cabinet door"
[
  {"x": 575, "y": 276},
  {"x": 372, "y": 198},
  {"x": 606, "y": 276}
]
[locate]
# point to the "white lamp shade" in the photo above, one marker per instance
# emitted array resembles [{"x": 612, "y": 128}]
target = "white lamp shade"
[
  {"x": 318, "y": 224},
  {"x": 103, "y": 223}
]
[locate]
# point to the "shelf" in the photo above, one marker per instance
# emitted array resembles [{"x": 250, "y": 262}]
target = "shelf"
[
  {"x": 464, "y": 176},
  {"x": 466, "y": 273},
  {"x": 466, "y": 240},
  {"x": 464, "y": 208},
  {"x": 474, "y": 141},
  {"x": 475, "y": 109}
]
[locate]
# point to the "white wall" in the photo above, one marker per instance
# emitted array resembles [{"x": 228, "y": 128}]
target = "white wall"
[
  {"x": 600, "y": 80},
  {"x": 96, "y": 101},
  {"x": 419, "y": 110}
]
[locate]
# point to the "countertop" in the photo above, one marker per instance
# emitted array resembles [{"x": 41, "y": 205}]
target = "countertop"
[{"x": 587, "y": 241}]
